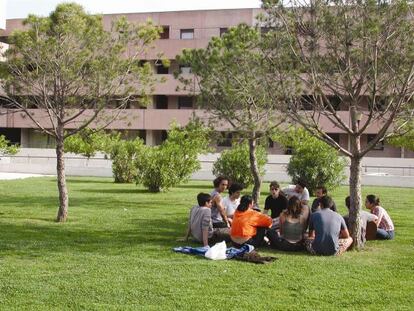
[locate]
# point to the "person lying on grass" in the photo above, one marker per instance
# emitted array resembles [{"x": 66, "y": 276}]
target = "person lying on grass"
[
  {"x": 385, "y": 229},
  {"x": 249, "y": 226},
  {"x": 328, "y": 233},
  {"x": 293, "y": 225},
  {"x": 298, "y": 190},
  {"x": 200, "y": 226}
]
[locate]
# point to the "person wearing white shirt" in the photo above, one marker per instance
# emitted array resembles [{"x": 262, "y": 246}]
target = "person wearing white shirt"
[
  {"x": 231, "y": 202},
  {"x": 298, "y": 190}
]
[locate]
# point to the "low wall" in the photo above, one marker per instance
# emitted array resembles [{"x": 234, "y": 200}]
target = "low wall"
[{"x": 376, "y": 171}]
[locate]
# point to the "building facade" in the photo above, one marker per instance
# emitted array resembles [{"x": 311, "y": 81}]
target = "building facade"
[{"x": 186, "y": 29}]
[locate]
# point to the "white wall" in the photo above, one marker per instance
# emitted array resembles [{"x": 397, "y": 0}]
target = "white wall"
[{"x": 376, "y": 171}]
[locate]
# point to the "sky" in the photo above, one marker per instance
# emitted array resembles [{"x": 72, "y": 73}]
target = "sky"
[{"x": 21, "y": 8}]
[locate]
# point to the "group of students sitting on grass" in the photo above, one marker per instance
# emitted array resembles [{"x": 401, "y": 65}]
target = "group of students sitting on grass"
[{"x": 291, "y": 226}]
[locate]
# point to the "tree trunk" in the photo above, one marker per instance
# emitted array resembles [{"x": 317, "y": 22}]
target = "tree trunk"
[
  {"x": 355, "y": 196},
  {"x": 254, "y": 168},
  {"x": 61, "y": 181}
]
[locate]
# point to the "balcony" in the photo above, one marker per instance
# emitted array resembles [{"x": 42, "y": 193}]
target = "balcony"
[{"x": 143, "y": 119}]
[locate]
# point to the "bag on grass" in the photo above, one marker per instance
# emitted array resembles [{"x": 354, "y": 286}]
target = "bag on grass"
[{"x": 217, "y": 252}]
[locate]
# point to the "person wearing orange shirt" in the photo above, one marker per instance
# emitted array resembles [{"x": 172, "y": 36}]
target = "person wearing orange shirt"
[{"x": 249, "y": 226}]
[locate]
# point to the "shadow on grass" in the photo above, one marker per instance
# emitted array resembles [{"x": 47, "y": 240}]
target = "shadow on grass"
[{"x": 31, "y": 239}]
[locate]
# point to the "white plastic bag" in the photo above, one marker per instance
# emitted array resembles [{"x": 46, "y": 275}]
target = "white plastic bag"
[{"x": 217, "y": 252}]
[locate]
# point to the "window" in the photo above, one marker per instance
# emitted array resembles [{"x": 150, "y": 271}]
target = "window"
[
  {"x": 225, "y": 140},
  {"x": 335, "y": 137},
  {"x": 307, "y": 102},
  {"x": 161, "y": 69},
  {"x": 165, "y": 33},
  {"x": 185, "y": 69},
  {"x": 4, "y": 39},
  {"x": 161, "y": 102},
  {"x": 223, "y": 31},
  {"x": 185, "y": 102},
  {"x": 335, "y": 101},
  {"x": 164, "y": 135},
  {"x": 289, "y": 150},
  {"x": 187, "y": 34},
  {"x": 379, "y": 146}
]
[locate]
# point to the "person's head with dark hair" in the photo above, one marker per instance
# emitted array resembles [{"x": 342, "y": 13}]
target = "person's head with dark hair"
[
  {"x": 235, "y": 190},
  {"x": 321, "y": 191},
  {"x": 221, "y": 183},
  {"x": 274, "y": 189},
  {"x": 300, "y": 185},
  {"x": 246, "y": 202},
  {"x": 294, "y": 207},
  {"x": 325, "y": 202},
  {"x": 348, "y": 202},
  {"x": 204, "y": 199},
  {"x": 372, "y": 201}
]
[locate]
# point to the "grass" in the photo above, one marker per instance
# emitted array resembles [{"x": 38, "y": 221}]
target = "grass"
[{"x": 114, "y": 253}]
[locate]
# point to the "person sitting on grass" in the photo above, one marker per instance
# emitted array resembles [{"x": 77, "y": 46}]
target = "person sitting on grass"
[
  {"x": 276, "y": 202},
  {"x": 321, "y": 191},
  {"x": 231, "y": 202},
  {"x": 298, "y": 190},
  {"x": 328, "y": 234},
  {"x": 218, "y": 211},
  {"x": 293, "y": 225},
  {"x": 385, "y": 229},
  {"x": 249, "y": 226},
  {"x": 365, "y": 217},
  {"x": 200, "y": 226}
]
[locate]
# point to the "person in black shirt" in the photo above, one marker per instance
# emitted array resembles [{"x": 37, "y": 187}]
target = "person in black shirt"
[
  {"x": 276, "y": 202},
  {"x": 321, "y": 192}
]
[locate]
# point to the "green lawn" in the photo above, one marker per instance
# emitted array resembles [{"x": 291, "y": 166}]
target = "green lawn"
[{"x": 114, "y": 253}]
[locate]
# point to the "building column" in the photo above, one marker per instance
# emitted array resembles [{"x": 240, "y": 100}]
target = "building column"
[
  {"x": 402, "y": 152},
  {"x": 150, "y": 138},
  {"x": 24, "y": 138}
]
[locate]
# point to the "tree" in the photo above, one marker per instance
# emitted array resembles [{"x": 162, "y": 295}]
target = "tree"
[
  {"x": 70, "y": 68},
  {"x": 355, "y": 63},
  {"x": 235, "y": 164},
  {"x": 312, "y": 160},
  {"x": 235, "y": 87},
  {"x": 162, "y": 167}
]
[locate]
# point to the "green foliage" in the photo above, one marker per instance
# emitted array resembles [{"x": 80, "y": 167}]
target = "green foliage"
[
  {"x": 234, "y": 163},
  {"x": 6, "y": 148},
  {"x": 313, "y": 160},
  {"x": 173, "y": 162},
  {"x": 124, "y": 154},
  {"x": 87, "y": 142},
  {"x": 405, "y": 140}
]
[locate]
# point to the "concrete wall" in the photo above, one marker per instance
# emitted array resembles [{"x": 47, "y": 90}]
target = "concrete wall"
[{"x": 376, "y": 171}]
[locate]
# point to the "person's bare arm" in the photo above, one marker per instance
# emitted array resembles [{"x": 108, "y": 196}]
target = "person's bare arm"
[
  {"x": 311, "y": 234},
  {"x": 221, "y": 209},
  {"x": 205, "y": 237},
  {"x": 344, "y": 234}
]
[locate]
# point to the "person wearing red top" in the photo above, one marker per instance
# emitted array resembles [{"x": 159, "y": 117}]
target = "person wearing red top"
[{"x": 249, "y": 226}]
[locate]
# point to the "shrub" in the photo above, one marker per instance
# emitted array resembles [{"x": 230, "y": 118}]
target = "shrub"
[
  {"x": 234, "y": 163},
  {"x": 6, "y": 148},
  {"x": 124, "y": 154},
  {"x": 313, "y": 160},
  {"x": 173, "y": 162}
]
